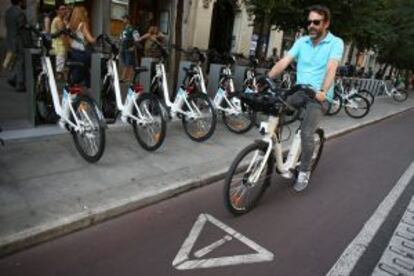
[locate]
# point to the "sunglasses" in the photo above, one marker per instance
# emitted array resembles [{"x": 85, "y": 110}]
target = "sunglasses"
[{"x": 314, "y": 22}]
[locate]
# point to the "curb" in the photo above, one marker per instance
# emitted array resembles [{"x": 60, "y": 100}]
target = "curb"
[{"x": 64, "y": 226}]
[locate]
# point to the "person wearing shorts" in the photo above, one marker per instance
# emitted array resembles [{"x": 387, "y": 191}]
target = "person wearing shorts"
[{"x": 59, "y": 43}]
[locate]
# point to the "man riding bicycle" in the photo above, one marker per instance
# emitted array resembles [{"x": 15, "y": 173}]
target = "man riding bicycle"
[{"x": 318, "y": 56}]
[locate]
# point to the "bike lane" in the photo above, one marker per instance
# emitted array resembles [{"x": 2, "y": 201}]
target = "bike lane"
[{"x": 295, "y": 234}]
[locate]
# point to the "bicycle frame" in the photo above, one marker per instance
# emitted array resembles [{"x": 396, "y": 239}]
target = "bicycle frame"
[
  {"x": 181, "y": 99},
  {"x": 65, "y": 109},
  {"x": 388, "y": 92},
  {"x": 345, "y": 94},
  {"x": 274, "y": 144},
  {"x": 233, "y": 108},
  {"x": 130, "y": 100}
]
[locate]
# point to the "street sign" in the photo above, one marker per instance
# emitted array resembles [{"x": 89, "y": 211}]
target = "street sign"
[{"x": 183, "y": 262}]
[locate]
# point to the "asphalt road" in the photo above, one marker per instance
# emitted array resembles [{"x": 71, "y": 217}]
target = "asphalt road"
[{"x": 306, "y": 233}]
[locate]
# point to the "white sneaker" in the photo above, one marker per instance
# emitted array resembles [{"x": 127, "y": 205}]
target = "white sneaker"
[
  {"x": 287, "y": 175},
  {"x": 302, "y": 181}
]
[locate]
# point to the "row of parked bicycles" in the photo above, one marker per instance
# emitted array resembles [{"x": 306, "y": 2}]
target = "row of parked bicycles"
[
  {"x": 357, "y": 101},
  {"x": 149, "y": 111}
]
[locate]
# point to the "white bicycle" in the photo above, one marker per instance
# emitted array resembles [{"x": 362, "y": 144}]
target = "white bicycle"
[
  {"x": 237, "y": 117},
  {"x": 141, "y": 110},
  {"x": 78, "y": 113},
  {"x": 399, "y": 95},
  {"x": 251, "y": 171},
  {"x": 194, "y": 108},
  {"x": 356, "y": 105}
]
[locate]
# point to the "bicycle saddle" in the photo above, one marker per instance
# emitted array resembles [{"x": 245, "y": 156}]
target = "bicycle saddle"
[
  {"x": 190, "y": 70},
  {"x": 140, "y": 69}
]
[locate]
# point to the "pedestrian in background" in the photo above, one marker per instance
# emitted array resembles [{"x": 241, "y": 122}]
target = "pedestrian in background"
[
  {"x": 129, "y": 37},
  {"x": 60, "y": 43},
  {"x": 80, "y": 48},
  {"x": 68, "y": 13},
  {"x": 152, "y": 39},
  {"x": 17, "y": 38},
  {"x": 47, "y": 19},
  {"x": 275, "y": 56}
]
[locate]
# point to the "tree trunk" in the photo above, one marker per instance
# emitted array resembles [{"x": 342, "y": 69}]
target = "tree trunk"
[
  {"x": 351, "y": 53},
  {"x": 260, "y": 40}
]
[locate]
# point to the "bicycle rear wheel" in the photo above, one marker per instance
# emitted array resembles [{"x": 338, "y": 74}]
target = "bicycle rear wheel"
[
  {"x": 151, "y": 133},
  {"x": 241, "y": 194},
  {"x": 203, "y": 125},
  {"x": 357, "y": 106},
  {"x": 400, "y": 95},
  {"x": 90, "y": 140},
  {"x": 367, "y": 95},
  {"x": 241, "y": 122}
]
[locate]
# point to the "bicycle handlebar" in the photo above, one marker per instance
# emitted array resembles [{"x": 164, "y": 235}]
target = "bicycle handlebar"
[
  {"x": 105, "y": 38},
  {"x": 46, "y": 38}
]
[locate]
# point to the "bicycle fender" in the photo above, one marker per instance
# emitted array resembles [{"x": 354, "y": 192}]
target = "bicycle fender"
[
  {"x": 262, "y": 143},
  {"x": 102, "y": 121}
]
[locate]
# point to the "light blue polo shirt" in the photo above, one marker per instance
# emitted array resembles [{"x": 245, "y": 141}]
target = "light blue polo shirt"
[{"x": 312, "y": 61}]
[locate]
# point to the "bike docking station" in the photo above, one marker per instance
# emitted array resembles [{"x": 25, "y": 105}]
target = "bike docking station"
[
  {"x": 145, "y": 77},
  {"x": 32, "y": 64},
  {"x": 98, "y": 61},
  {"x": 214, "y": 78},
  {"x": 29, "y": 59},
  {"x": 239, "y": 73}
]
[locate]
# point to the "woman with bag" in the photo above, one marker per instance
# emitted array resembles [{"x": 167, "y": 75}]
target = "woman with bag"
[{"x": 80, "y": 47}]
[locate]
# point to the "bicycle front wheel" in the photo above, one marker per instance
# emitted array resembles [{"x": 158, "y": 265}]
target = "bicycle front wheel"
[
  {"x": 150, "y": 132},
  {"x": 90, "y": 138},
  {"x": 200, "y": 121},
  {"x": 357, "y": 106},
  {"x": 400, "y": 95},
  {"x": 241, "y": 122},
  {"x": 247, "y": 179}
]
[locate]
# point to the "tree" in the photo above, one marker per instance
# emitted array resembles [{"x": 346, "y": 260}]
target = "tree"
[
  {"x": 383, "y": 25},
  {"x": 395, "y": 39}
]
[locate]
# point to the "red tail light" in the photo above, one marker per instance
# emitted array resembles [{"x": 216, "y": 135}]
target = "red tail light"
[
  {"x": 75, "y": 89},
  {"x": 138, "y": 88},
  {"x": 189, "y": 89}
]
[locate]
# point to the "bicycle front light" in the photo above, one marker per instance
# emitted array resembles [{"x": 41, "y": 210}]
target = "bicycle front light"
[{"x": 264, "y": 128}]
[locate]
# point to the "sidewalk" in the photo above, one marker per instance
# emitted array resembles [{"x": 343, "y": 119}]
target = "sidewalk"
[
  {"x": 47, "y": 189},
  {"x": 13, "y": 106}
]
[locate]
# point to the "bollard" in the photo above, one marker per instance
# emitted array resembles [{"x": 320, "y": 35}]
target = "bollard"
[
  {"x": 239, "y": 75},
  {"x": 213, "y": 79},
  {"x": 32, "y": 63},
  {"x": 98, "y": 68},
  {"x": 145, "y": 77}
]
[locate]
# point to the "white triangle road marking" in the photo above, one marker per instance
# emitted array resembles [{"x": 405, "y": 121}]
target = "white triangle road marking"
[{"x": 182, "y": 260}]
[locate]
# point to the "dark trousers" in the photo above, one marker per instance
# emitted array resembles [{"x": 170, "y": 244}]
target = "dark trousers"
[
  {"x": 312, "y": 115},
  {"x": 80, "y": 74},
  {"x": 18, "y": 75}
]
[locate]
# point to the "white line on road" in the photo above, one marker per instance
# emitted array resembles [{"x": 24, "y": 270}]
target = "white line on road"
[
  {"x": 183, "y": 262},
  {"x": 357, "y": 247},
  {"x": 204, "y": 251}
]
